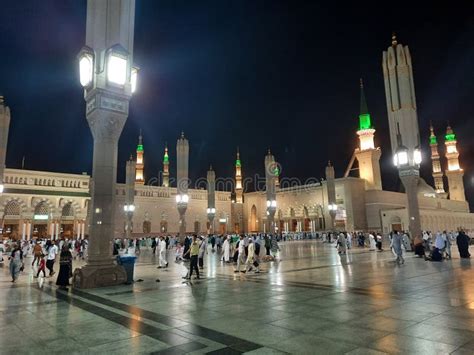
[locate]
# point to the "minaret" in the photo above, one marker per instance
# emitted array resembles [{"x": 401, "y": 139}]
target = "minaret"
[
  {"x": 4, "y": 128},
  {"x": 182, "y": 198},
  {"x": 166, "y": 168},
  {"x": 211, "y": 198},
  {"x": 437, "y": 172},
  {"x": 367, "y": 155},
  {"x": 238, "y": 180},
  {"x": 270, "y": 191},
  {"x": 454, "y": 173},
  {"x": 403, "y": 125},
  {"x": 139, "y": 177}
]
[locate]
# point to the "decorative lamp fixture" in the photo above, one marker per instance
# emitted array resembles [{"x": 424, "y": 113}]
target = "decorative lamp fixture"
[
  {"x": 134, "y": 78},
  {"x": 117, "y": 63},
  {"x": 86, "y": 66}
]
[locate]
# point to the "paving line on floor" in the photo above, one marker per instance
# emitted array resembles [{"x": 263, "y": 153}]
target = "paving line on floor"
[
  {"x": 174, "y": 340},
  {"x": 229, "y": 340}
]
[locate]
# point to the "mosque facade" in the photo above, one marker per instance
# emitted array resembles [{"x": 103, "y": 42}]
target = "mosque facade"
[{"x": 36, "y": 204}]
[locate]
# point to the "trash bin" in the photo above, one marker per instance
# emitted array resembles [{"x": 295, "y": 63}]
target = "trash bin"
[{"x": 128, "y": 263}]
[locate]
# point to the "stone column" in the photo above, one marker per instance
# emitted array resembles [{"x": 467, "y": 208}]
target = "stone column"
[
  {"x": 109, "y": 45},
  {"x": 182, "y": 198},
  {"x": 410, "y": 181}
]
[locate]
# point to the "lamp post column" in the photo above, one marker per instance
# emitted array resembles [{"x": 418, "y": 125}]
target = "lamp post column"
[
  {"x": 182, "y": 197},
  {"x": 108, "y": 78},
  {"x": 211, "y": 198},
  {"x": 129, "y": 206}
]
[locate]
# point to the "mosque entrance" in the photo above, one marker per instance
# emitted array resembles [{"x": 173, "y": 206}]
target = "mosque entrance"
[
  {"x": 11, "y": 231},
  {"x": 307, "y": 223},
  {"x": 40, "y": 231},
  {"x": 67, "y": 230},
  {"x": 293, "y": 226}
]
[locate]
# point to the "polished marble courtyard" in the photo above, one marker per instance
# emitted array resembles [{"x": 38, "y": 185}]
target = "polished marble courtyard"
[{"x": 310, "y": 302}]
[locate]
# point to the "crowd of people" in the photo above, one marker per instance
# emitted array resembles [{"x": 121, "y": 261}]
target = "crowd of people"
[
  {"x": 44, "y": 253},
  {"x": 245, "y": 251}
]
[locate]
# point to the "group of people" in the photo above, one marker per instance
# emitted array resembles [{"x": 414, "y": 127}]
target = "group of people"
[
  {"x": 44, "y": 254},
  {"x": 439, "y": 245}
]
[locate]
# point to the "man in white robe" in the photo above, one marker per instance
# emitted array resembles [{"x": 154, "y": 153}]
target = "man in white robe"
[
  {"x": 162, "y": 253},
  {"x": 226, "y": 250}
]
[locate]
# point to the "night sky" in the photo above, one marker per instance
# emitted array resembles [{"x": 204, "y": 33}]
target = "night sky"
[{"x": 253, "y": 74}]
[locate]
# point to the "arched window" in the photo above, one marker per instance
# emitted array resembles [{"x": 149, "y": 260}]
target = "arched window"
[
  {"x": 12, "y": 209},
  {"x": 68, "y": 210},
  {"x": 42, "y": 209}
]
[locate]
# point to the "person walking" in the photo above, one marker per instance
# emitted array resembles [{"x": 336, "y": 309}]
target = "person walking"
[
  {"x": 162, "y": 250},
  {"x": 37, "y": 252},
  {"x": 268, "y": 244},
  {"x": 42, "y": 267},
  {"x": 372, "y": 244},
  {"x": 341, "y": 243},
  {"x": 193, "y": 253},
  {"x": 463, "y": 241},
  {"x": 65, "y": 267},
  {"x": 226, "y": 250},
  {"x": 202, "y": 251},
  {"x": 251, "y": 261},
  {"x": 16, "y": 262},
  {"x": 52, "y": 251},
  {"x": 397, "y": 247},
  {"x": 240, "y": 254}
]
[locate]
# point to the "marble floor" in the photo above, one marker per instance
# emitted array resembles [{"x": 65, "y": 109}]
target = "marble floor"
[{"x": 310, "y": 302}]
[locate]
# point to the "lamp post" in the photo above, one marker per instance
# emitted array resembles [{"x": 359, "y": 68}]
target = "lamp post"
[
  {"x": 403, "y": 125},
  {"x": 211, "y": 198},
  {"x": 182, "y": 198},
  {"x": 4, "y": 128},
  {"x": 109, "y": 79},
  {"x": 129, "y": 206},
  {"x": 331, "y": 190},
  {"x": 270, "y": 168}
]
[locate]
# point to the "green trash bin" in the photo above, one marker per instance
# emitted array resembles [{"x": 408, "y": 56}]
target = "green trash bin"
[{"x": 128, "y": 263}]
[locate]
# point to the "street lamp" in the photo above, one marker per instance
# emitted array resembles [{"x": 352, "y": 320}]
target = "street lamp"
[
  {"x": 182, "y": 199},
  {"x": 332, "y": 207},
  {"x": 129, "y": 208},
  {"x": 2, "y": 187},
  {"x": 117, "y": 62}
]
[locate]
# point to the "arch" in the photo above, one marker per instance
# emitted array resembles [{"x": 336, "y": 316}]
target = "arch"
[
  {"x": 42, "y": 208},
  {"x": 68, "y": 210},
  {"x": 253, "y": 227},
  {"x": 12, "y": 208},
  {"x": 146, "y": 227}
]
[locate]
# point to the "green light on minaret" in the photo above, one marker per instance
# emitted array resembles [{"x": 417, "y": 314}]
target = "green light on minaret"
[
  {"x": 276, "y": 171},
  {"x": 364, "y": 116},
  {"x": 165, "y": 159},
  {"x": 433, "y": 140},
  {"x": 237, "y": 163},
  {"x": 364, "y": 121},
  {"x": 140, "y": 148},
  {"x": 450, "y": 137}
]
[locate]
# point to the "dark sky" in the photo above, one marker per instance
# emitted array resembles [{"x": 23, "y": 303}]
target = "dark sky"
[{"x": 254, "y": 74}]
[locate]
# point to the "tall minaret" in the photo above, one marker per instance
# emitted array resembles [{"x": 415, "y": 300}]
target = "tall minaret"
[
  {"x": 403, "y": 124},
  {"x": 4, "y": 128},
  {"x": 454, "y": 173},
  {"x": 182, "y": 198},
  {"x": 129, "y": 206},
  {"x": 166, "y": 168},
  {"x": 238, "y": 180},
  {"x": 437, "y": 172},
  {"x": 139, "y": 176},
  {"x": 270, "y": 191},
  {"x": 367, "y": 155}
]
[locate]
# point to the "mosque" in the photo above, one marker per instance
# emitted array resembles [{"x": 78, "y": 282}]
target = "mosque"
[{"x": 46, "y": 204}]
